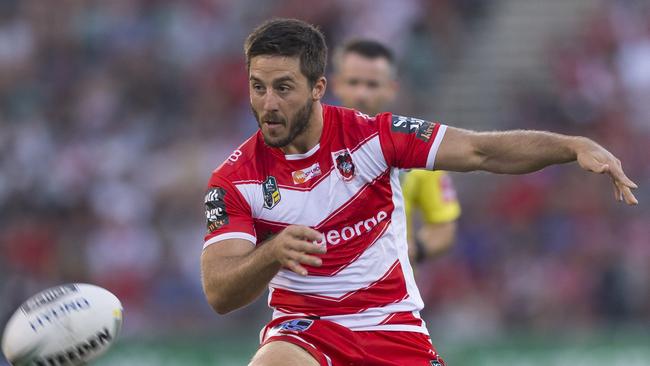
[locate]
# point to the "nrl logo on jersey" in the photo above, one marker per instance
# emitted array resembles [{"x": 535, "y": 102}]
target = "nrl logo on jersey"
[
  {"x": 421, "y": 128},
  {"x": 271, "y": 192},
  {"x": 344, "y": 164},
  {"x": 303, "y": 175}
]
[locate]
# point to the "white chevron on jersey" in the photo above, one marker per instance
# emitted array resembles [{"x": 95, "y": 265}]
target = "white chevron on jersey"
[{"x": 328, "y": 196}]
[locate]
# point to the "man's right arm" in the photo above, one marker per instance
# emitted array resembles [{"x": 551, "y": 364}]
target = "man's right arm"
[{"x": 234, "y": 273}]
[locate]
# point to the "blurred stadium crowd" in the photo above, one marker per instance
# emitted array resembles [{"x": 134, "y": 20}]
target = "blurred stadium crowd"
[{"x": 114, "y": 113}]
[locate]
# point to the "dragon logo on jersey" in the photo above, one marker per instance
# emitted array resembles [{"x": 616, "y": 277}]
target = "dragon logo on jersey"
[
  {"x": 421, "y": 128},
  {"x": 344, "y": 164},
  {"x": 215, "y": 208},
  {"x": 271, "y": 192}
]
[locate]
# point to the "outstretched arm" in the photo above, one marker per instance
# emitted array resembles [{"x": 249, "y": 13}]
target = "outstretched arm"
[{"x": 520, "y": 152}]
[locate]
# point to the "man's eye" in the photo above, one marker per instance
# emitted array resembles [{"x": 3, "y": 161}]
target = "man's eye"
[
  {"x": 258, "y": 87},
  {"x": 373, "y": 85},
  {"x": 283, "y": 88}
]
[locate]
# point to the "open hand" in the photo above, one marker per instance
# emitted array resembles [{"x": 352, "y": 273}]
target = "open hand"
[
  {"x": 595, "y": 158},
  {"x": 292, "y": 247}
]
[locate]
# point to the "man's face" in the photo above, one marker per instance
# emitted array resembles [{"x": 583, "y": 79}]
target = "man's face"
[
  {"x": 364, "y": 84},
  {"x": 281, "y": 98}
]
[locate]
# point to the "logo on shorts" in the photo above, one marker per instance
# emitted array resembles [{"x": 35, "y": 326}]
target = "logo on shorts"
[
  {"x": 271, "y": 192},
  {"x": 303, "y": 175},
  {"x": 296, "y": 325},
  {"x": 344, "y": 164},
  {"x": 437, "y": 362}
]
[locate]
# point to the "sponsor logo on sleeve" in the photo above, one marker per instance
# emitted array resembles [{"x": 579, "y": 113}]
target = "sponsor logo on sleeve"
[
  {"x": 344, "y": 164},
  {"x": 271, "y": 192},
  {"x": 215, "y": 208},
  {"x": 421, "y": 128},
  {"x": 303, "y": 175}
]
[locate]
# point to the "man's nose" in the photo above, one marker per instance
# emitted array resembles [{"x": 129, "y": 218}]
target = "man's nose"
[
  {"x": 362, "y": 93},
  {"x": 271, "y": 101}
]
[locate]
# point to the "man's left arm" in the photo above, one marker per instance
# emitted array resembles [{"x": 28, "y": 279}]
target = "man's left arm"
[
  {"x": 435, "y": 239},
  {"x": 521, "y": 151}
]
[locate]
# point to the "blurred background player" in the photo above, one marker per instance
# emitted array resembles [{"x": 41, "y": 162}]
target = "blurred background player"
[{"x": 365, "y": 79}]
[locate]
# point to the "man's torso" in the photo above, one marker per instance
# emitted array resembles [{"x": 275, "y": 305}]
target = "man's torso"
[{"x": 345, "y": 189}]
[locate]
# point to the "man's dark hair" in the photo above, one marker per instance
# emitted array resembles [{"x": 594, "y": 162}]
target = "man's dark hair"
[
  {"x": 368, "y": 48},
  {"x": 290, "y": 37}
]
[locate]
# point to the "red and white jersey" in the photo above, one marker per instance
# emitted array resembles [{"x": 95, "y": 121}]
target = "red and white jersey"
[{"x": 346, "y": 187}]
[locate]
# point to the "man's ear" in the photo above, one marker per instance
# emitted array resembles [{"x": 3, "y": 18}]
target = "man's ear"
[{"x": 318, "y": 91}]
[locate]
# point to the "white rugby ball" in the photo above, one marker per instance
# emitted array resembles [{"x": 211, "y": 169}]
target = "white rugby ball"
[{"x": 63, "y": 325}]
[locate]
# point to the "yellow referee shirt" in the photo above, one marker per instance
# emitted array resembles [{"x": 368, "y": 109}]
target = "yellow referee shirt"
[{"x": 432, "y": 193}]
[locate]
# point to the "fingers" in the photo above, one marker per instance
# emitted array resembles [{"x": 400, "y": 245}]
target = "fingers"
[
  {"x": 628, "y": 196},
  {"x": 307, "y": 247},
  {"x": 600, "y": 169},
  {"x": 296, "y": 259},
  {"x": 304, "y": 232},
  {"x": 305, "y": 239},
  {"x": 295, "y": 267},
  {"x": 617, "y": 173},
  {"x": 294, "y": 246},
  {"x": 617, "y": 192},
  {"x": 623, "y": 185},
  {"x": 627, "y": 181},
  {"x": 307, "y": 259}
]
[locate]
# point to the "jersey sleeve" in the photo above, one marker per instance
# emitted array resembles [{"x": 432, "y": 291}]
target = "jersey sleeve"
[
  {"x": 409, "y": 142},
  {"x": 228, "y": 215},
  {"x": 433, "y": 194}
]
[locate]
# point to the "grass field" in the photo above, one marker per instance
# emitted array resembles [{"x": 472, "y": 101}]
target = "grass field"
[{"x": 604, "y": 348}]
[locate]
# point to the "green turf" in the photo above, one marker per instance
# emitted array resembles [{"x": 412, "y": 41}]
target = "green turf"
[{"x": 629, "y": 349}]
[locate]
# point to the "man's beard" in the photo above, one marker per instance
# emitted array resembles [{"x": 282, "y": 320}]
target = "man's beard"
[{"x": 299, "y": 123}]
